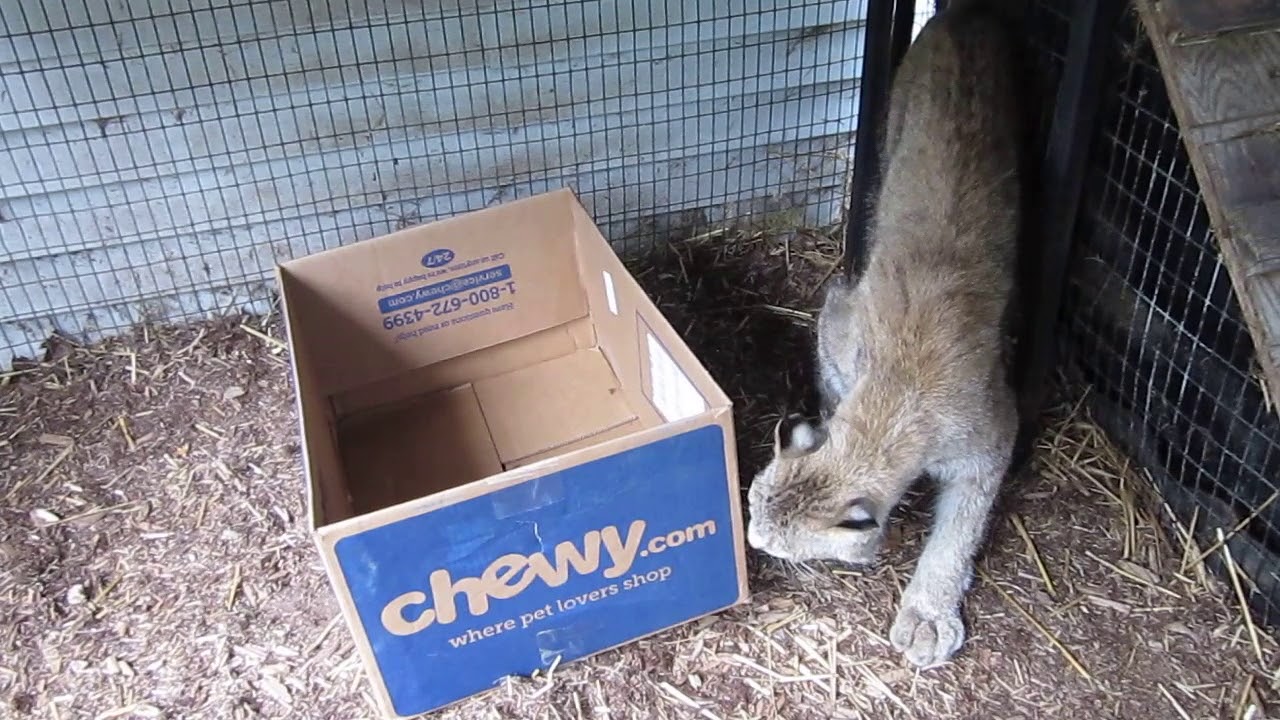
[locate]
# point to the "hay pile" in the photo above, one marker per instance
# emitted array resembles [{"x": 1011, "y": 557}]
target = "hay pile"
[{"x": 154, "y": 560}]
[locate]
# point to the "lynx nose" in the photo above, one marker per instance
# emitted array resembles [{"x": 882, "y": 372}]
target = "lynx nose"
[{"x": 754, "y": 538}]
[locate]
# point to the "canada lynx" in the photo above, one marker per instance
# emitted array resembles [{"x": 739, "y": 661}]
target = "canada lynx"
[{"x": 910, "y": 356}]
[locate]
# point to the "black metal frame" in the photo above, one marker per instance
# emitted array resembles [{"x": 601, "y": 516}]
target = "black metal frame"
[
  {"x": 1050, "y": 230},
  {"x": 888, "y": 33}
]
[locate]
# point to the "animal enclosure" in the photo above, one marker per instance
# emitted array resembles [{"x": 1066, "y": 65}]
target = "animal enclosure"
[{"x": 158, "y": 158}]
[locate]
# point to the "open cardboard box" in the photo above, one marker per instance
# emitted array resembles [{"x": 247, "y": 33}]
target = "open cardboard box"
[{"x": 513, "y": 459}]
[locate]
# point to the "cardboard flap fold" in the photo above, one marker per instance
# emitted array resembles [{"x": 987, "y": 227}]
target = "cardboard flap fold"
[
  {"x": 432, "y": 445},
  {"x": 551, "y": 404},
  {"x": 386, "y": 306}
]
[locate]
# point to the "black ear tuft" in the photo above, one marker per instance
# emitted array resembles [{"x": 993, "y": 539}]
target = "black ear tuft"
[
  {"x": 786, "y": 425},
  {"x": 794, "y": 435},
  {"x": 861, "y": 515}
]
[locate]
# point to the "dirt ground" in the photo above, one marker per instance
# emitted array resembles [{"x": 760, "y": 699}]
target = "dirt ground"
[{"x": 154, "y": 558}]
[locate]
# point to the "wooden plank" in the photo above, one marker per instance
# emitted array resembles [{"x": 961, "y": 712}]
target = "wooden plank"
[
  {"x": 1230, "y": 129},
  {"x": 1257, "y": 226},
  {"x": 1209, "y": 17},
  {"x": 1242, "y": 66},
  {"x": 1245, "y": 169},
  {"x": 1256, "y": 231},
  {"x": 1224, "y": 78},
  {"x": 1265, "y": 292}
]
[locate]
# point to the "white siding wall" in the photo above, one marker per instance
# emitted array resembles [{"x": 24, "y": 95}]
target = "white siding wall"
[{"x": 157, "y": 158}]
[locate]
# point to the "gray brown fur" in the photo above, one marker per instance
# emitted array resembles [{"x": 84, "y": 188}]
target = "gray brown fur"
[{"x": 911, "y": 356}]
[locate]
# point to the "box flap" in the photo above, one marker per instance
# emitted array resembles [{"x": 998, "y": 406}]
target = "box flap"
[
  {"x": 552, "y": 404},
  {"x": 664, "y": 381},
  {"x": 497, "y": 360},
  {"x": 437, "y": 443},
  {"x": 381, "y": 307},
  {"x": 627, "y": 428}
]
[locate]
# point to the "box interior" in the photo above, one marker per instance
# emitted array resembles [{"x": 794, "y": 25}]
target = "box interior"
[
  {"x": 588, "y": 360},
  {"x": 442, "y": 439}
]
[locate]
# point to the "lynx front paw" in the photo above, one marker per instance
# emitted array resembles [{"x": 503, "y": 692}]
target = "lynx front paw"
[{"x": 927, "y": 636}]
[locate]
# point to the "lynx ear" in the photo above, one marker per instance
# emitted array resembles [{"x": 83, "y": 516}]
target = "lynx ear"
[
  {"x": 860, "y": 515},
  {"x": 794, "y": 436}
]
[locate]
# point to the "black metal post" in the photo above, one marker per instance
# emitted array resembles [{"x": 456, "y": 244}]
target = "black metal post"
[
  {"x": 1062, "y": 176},
  {"x": 886, "y": 42},
  {"x": 904, "y": 19}
]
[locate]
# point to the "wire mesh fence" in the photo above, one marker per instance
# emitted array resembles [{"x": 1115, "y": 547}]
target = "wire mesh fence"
[
  {"x": 1151, "y": 325},
  {"x": 159, "y": 158}
]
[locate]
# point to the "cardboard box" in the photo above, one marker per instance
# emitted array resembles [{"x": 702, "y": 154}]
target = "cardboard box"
[{"x": 513, "y": 459}]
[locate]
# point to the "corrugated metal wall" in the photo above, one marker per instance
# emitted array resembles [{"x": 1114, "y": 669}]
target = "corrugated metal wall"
[{"x": 158, "y": 157}]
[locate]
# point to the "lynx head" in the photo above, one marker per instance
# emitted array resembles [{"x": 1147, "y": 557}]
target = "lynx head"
[{"x": 813, "y": 501}]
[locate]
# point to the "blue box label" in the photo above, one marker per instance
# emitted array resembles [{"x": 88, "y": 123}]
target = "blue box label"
[
  {"x": 561, "y": 566},
  {"x": 432, "y": 304},
  {"x": 446, "y": 289}
]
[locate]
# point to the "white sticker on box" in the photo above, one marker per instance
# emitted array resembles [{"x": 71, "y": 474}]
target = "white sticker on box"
[
  {"x": 609, "y": 294},
  {"x": 672, "y": 393}
]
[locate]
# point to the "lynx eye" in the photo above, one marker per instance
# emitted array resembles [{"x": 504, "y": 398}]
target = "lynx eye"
[
  {"x": 860, "y": 515},
  {"x": 857, "y": 524}
]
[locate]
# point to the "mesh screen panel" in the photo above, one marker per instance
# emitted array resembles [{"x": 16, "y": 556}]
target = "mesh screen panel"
[
  {"x": 1151, "y": 325},
  {"x": 159, "y": 157}
]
